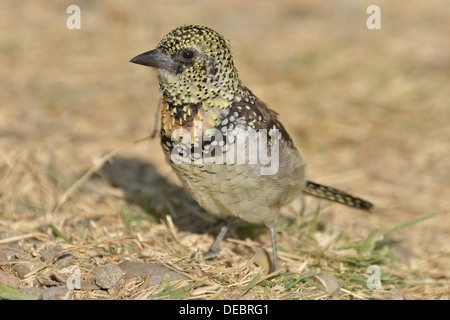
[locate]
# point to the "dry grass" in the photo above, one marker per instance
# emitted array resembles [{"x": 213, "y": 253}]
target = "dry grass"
[{"x": 369, "y": 109}]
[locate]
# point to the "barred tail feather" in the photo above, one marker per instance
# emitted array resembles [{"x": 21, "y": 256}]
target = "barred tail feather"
[{"x": 332, "y": 194}]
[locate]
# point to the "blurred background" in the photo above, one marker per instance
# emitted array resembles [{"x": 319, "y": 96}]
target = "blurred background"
[{"x": 369, "y": 109}]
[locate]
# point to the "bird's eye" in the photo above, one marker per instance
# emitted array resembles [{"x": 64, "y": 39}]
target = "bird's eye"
[{"x": 188, "y": 54}]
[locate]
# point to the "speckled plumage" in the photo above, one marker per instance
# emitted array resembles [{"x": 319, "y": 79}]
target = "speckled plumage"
[{"x": 202, "y": 92}]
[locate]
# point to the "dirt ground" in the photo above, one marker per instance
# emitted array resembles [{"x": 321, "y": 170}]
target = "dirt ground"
[{"x": 369, "y": 109}]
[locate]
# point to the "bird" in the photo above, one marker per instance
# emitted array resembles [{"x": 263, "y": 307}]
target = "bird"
[{"x": 228, "y": 148}]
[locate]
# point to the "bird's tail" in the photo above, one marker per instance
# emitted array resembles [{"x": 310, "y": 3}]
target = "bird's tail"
[{"x": 332, "y": 194}]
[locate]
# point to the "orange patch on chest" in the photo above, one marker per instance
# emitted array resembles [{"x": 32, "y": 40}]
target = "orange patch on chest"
[{"x": 195, "y": 119}]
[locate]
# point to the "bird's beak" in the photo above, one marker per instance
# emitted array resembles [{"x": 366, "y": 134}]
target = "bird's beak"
[{"x": 155, "y": 58}]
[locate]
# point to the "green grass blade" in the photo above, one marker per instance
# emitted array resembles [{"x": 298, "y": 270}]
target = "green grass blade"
[
  {"x": 318, "y": 286},
  {"x": 341, "y": 285},
  {"x": 297, "y": 280},
  {"x": 127, "y": 215},
  {"x": 10, "y": 293},
  {"x": 59, "y": 233},
  {"x": 33, "y": 206},
  {"x": 251, "y": 284},
  {"x": 172, "y": 236},
  {"x": 369, "y": 241},
  {"x": 408, "y": 224}
]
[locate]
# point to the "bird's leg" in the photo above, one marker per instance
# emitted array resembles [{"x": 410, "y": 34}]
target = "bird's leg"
[
  {"x": 214, "y": 249},
  {"x": 273, "y": 233}
]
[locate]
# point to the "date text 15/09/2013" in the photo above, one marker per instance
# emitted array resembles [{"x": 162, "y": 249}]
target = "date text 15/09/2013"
[{"x": 240, "y": 309}]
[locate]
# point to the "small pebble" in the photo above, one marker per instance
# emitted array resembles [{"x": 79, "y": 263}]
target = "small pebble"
[
  {"x": 49, "y": 254},
  {"x": 9, "y": 279},
  {"x": 106, "y": 277}
]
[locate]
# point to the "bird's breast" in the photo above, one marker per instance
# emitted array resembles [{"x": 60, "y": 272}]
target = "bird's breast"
[{"x": 192, "y": 120}]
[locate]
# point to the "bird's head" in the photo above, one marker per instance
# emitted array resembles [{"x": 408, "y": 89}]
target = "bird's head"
[{"x": 194, "y": 64}]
